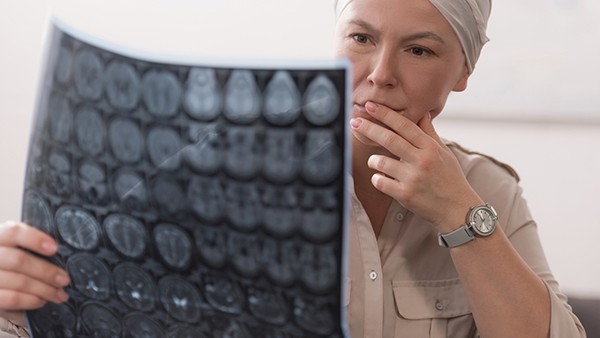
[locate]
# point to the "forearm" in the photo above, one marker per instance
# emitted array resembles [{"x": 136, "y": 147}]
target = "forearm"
[{"x": 507, "y": 298}]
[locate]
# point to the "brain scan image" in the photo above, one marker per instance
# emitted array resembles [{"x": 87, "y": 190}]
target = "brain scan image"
[
  {"x": 126, "y": 140},
  {"x": 321, "y": 101},
  {"x": 135, "y": 287},
  {"x": 282, "y": 99},
  {"x": 88, "y": 71},
  {"x": 161, "y": 92},
  {"x": 243, "y": 99},
  {"x": 122, "y": 85},
  {"x": 127, "y": 234},
  {"x": 164, "y": 146},
  {"x": 93, "y": 184},
  {"x": 203, "y": 98},
  {"x": 189, "y": 198}
]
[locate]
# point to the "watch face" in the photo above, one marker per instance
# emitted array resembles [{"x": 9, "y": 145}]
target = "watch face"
[{"x": 483, "y": 220}]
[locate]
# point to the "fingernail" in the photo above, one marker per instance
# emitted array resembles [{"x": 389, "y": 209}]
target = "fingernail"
[
  {"x": 62, "y": 280},
  {"x": 355, "y": 123},
  {"x": 371, "y": 106},
  {"x": 62, "y": 296},
  {"x": 49, "y": 247}
]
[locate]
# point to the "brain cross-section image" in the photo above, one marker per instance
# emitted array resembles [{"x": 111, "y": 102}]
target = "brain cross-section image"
[{"x": 189, "y": 199}]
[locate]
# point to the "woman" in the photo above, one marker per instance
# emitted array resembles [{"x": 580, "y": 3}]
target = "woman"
[
  {"x": 415, "y": 270},
  {"x": 410, "y": 186}
]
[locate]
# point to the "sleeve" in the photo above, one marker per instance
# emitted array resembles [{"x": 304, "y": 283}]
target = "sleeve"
[
  {"x": 8, "y": 329},
  {"x": 498, "y": 184},
  {"x": 522, "y": 233}
]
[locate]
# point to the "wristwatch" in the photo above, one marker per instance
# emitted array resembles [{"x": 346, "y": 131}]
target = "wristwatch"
[{"x": 481, "y": 221}]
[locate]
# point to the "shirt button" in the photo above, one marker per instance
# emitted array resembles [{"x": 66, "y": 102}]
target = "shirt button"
[
  {"x": 399, "y": 217},
  {"x": 439, "y": 306},
  {"x": 373, "y": 275}
]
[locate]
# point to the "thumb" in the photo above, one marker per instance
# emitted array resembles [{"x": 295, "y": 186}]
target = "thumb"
[{"x": 426, "y": 125}]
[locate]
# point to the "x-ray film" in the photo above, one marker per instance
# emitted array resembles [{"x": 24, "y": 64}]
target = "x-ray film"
[{"x": 189, "y": 199}]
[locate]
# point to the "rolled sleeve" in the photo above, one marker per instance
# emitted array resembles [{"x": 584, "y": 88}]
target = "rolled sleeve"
[
  {"x": 563, "y": 323},
  {"x": 525, "y": 239},
  {"x": 498, "y": 184},
  {"x": 9, "y": 329}
]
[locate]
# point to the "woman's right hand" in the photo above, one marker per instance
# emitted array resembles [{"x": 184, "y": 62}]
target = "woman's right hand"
[{"x": 27, "y": 282}]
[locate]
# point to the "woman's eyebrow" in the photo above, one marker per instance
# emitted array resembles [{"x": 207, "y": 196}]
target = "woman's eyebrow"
[
  {"x": 363, "y": 24},
  {"x": 423, "y": 35}
]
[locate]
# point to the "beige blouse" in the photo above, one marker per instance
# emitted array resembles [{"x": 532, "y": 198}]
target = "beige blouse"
[
  {"x": 403, "y": 284},
  {"x": 8, "y": 329}
]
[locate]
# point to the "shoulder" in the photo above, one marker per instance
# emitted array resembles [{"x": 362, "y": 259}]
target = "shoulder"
[
  {"x": 496, "y": 183},
  {"x": 474, "y": 162}
]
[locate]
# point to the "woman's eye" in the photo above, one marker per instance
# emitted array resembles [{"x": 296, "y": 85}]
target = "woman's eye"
[
  {"x": 418, "y": 51},
  {"x": 360, "y": 38}
]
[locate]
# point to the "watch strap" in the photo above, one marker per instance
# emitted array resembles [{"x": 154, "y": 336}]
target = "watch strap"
[{"x": 457, "y": 237}]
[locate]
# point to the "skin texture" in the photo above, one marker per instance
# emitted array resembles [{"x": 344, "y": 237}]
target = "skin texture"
[{"x": 406, "y": 60}]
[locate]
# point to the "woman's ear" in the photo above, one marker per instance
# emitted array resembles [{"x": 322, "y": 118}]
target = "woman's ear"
[{"x": 461, "y": 84}]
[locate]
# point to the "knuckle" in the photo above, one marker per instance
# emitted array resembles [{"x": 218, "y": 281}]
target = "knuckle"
[
  {"x": 426, "y": 162},
  {"x": 11, "y": 229},
  {"x": 16, "y": 259},
  {"x": 417, "y": 178},
  {"x": 388, "y": 139},
  {"x": 408, "y": 193},
  {"x": 10, "y": 299},
  {"x": 21, "y": 282},
  {"x": 382, "y": 162},
  {"x": 403, "y": 124},
  {"x": 424, "y": 165}
]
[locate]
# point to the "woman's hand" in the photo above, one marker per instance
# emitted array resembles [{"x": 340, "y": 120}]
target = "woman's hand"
[
  {"x": 419, "y": 171},
  {"x": 27, "y": 281}
]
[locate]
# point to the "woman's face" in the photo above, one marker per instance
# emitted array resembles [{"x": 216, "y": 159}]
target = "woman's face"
[{"x": 404, "y": 54}]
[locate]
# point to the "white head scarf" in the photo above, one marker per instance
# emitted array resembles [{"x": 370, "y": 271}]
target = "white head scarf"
[{"x": 468, "y": 18}]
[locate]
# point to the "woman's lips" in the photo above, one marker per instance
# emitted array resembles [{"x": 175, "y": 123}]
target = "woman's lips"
[
  {"x": 362, "y": 105},
  {"x": 359, "y": 110}
]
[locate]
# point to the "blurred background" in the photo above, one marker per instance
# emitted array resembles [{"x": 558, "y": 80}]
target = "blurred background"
[{"x": 533, "y": 101}]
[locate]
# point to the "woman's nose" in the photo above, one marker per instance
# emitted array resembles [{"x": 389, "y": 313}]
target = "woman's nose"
[{"x": 383, "y": 70}]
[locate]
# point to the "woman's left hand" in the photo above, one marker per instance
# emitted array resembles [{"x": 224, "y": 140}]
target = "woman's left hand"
[{"x": 420, "y": 171}]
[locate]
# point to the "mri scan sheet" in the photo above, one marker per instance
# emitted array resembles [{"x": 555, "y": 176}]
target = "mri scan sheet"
[{"x": 189, "y": 199}]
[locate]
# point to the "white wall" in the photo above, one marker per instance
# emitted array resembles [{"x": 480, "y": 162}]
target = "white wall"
[
  {"x": 533, "y": 101},
  {"x": 541, "y": 63},
  {"x": 558, "y": 166}
]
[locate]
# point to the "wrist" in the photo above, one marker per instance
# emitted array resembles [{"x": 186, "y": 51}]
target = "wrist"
[
  {"x": 481, "y": 221},
  {"x": 457, "y": 216}
]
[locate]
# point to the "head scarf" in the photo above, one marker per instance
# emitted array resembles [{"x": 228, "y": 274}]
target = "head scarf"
[{"x": 468, "y": 19}]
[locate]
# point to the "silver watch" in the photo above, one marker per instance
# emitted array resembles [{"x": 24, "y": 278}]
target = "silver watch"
[{"x": 481, "y": 221}]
